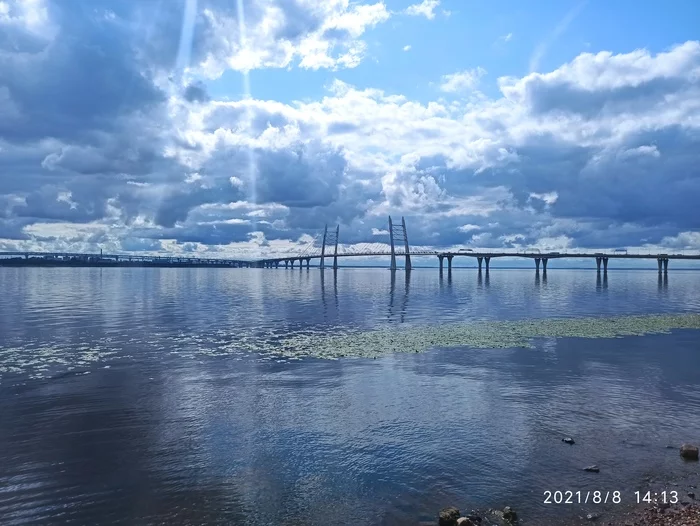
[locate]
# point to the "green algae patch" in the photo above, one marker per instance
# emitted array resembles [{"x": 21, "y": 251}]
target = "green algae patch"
[{"x": 481, "y": 335}]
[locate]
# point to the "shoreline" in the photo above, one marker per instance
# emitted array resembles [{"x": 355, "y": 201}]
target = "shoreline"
[{"x": 685, "y": 512}]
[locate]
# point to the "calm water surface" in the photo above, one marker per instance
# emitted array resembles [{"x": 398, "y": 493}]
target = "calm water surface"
[{"x": 125, "y": 398}]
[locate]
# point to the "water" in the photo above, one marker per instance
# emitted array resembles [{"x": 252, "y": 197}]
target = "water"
[{"x": 129, "y": 396}]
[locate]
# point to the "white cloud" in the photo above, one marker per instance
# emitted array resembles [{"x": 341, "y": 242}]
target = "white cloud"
[
  {"x": 506, "y": 37},
  {"x": 641, "y": 151},
  {"x": 278, "y": 34},
  {"x": 407, "y": 47},
  {"x": 462, "y": 81},
  {"x": 468, "y": 228},
  {"x": 426, "y": 8},
  {"x": 549, "y": 198}
]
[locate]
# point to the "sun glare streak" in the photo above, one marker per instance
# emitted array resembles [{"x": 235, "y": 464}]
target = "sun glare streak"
[
  {"x": 184, "y": 51},
  {"x": 251, "y": 175}
]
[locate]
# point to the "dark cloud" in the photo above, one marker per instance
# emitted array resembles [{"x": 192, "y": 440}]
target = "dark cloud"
[
  {"x": 196, "y": 92},
  {"x": 545, "y": 97},
  {"x": 87, "y": 79}
]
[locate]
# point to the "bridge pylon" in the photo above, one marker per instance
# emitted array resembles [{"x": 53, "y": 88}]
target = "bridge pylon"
[
  {"x": 330, "y": 239},
  {"x": 397, "y": 234}
]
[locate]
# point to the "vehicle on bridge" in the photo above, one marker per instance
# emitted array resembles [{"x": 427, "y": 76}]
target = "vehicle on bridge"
[
  {"x": 465, "y": 250},
  {"x": 621, "y": 251}
]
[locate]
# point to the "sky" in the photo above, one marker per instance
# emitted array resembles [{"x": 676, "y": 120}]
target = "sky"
[{"x": 241, "y": 128}]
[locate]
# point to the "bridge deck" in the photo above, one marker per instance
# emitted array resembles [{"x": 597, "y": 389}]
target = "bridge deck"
[{"x": 200, "y": 261}]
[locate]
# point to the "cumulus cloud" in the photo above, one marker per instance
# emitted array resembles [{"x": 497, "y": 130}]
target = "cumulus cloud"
[
  {"x": 426, "y": 8},
  {"x": 134, "y": 152},
  {"x": 462, "y": 81}
]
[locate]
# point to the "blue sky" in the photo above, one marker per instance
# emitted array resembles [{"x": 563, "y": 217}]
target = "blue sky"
[{"x": 125, "y": 125}]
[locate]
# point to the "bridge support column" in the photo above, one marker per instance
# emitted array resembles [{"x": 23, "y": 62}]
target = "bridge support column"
[
  {"x": 405, "y": 242},
  {"x": 308, "y": 262},
  {"x": 286, "y": 263},
  {"x": 323, "y": 248},
  {"x": 392, "y": 265},
  {"x": 335, "y": 253},
  {"x": 487, "y": 260},
  {"x": 479, "y": 261},
  {"x": 598, "y": 261},
  {"x": 544, "y": 265},
  {"x": 277, "y": 264},
  {"x": 660, "y": 261},
  {"x": 292, "y": 262},
  {"x": 441, "y": 258},
  {"x": 449, "y": 263},
  {"x": 665, "y": 265},
  {"x": 537, "y": 265},
  {"x": 605, "y": 265}
]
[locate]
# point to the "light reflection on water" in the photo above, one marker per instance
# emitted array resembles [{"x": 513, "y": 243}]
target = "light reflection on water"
[{"x": 174, "y": 431}]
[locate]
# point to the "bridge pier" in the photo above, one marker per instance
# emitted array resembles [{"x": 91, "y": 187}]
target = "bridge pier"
[
  {"x": 544, "y": 265},
  {"x": 663, "y": 265},
  {"x": 605, "y": 265},
  {"x": 479, "y": 261},
  {"x": 441, "y": 258},
  {"x": 537, "y": 264},
  {"x": 335, "y": 252},
  {"x": 449, "y": 263},
  {"x": 598, "y": 261},
  {"x": 487, "y": 260},
  {"x": 308, "y": 262}
]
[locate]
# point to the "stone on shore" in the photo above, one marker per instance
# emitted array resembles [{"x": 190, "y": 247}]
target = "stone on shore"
[
  {"x": 689, "y": 452},
  {"x": 509, "y": 515},
  {"x": 592, "y": 469},
  {"x": 448, "y": 516},
  {"x": 568, "y": 440}
]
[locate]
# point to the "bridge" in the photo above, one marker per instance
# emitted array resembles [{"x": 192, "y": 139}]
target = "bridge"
[
  {"x": 399, "y": 247},
  {"x": 327, "y": 246}
]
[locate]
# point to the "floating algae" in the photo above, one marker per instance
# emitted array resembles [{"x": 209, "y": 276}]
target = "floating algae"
[{"x": 483, "y": 335}]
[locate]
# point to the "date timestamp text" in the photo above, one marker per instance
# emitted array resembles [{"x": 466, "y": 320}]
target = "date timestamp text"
[{"x": 582, "y": 497}]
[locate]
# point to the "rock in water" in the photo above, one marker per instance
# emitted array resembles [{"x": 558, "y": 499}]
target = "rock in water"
[
  {"x": 592, "y": 517},
  {"x": 689, "y": 452},
  {"x": 592, "y": 469},
  {"x": 568, "y": 440},
  {"x": 463, "y": 521},
  {"x": 448, "y": 517},
  {"x": 509, "y": 515}
]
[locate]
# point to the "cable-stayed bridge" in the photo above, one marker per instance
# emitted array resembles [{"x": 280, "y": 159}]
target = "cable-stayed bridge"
[{"x": 326, "y": 250}]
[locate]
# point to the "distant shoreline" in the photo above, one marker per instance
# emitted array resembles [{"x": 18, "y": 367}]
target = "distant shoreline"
[{"x": 39, "y": 262}]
